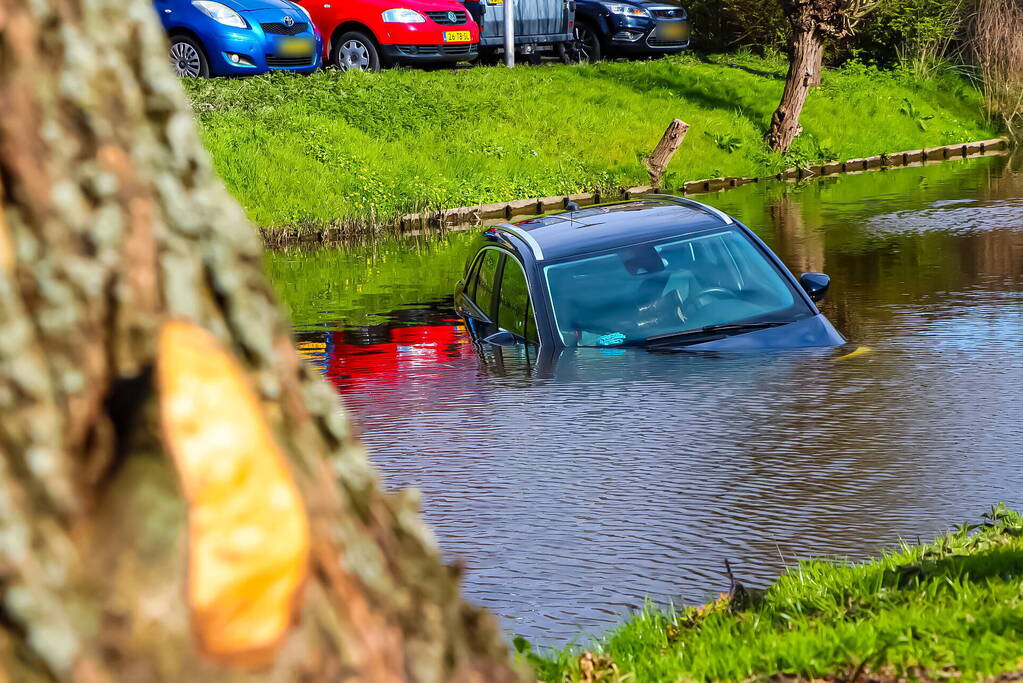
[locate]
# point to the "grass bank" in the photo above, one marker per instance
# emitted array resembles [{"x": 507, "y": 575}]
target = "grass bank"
[
  {"x": 949, "y": 609},
  {"x": 350, "y": 148}
]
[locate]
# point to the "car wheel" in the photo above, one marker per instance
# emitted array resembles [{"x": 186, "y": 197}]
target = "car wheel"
[
  {"x": 188, "y": 59},
  {"x": 356, "y": 51},
  {"x": 585, "y": 48},
  {"x": 488, "y": 57}
]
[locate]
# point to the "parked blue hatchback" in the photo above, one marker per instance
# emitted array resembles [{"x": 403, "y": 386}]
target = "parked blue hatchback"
[
  {"x": 661, "y": 273},
  {"x": 239, "y": 37}
]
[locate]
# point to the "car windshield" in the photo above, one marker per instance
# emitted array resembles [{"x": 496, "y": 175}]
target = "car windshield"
[{"x": 650, "y": 291}]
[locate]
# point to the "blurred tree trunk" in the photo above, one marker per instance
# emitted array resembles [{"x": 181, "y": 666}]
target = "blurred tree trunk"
[
  {"x": 113, "y": 224},
  {"x": 812, "y": 22}
]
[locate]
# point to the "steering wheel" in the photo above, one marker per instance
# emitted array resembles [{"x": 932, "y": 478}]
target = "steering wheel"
[{"x": 716, "y": 292}]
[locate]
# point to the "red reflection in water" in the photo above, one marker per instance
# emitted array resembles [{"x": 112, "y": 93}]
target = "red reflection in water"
[{"x": 351, "y": 362}]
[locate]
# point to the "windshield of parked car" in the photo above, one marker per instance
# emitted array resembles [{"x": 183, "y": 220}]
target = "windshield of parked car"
[{"x": 649, "y": 291}]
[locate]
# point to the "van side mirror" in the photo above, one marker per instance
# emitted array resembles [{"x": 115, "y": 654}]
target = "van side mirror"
[
  {"x": 501, "y": 338},
  {"x": 815, "y": 284}
]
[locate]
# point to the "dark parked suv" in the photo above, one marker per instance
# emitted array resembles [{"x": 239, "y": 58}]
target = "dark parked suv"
[{"x": 618, "y": 28}]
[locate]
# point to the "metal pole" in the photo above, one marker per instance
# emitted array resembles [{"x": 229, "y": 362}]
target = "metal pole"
[{"x": 509, "y": 33}]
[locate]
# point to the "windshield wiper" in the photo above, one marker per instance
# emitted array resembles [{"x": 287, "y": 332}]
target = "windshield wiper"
[{"x": 725, "y": 329}]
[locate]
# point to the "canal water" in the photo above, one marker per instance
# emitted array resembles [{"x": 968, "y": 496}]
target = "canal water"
[{"x": 574, "y": 488}]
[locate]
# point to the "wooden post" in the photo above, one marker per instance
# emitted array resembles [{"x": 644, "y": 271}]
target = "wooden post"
[{"x": 659, "y": 159}]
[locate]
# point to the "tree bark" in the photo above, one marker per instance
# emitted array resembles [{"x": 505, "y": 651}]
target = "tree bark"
[
  {"x": 807, "y": 53},
  {"x": 812, "y": 21},
  {"x": 817, "y": 70},
  {"x": 657, "y": 162},
  {"x": 112, "y": 227}
]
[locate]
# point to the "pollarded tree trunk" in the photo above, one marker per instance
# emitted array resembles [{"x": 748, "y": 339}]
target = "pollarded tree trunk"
[
  {"x": 807, "y": 52},
  {"x": 181, "y": 499},
  {"x": 812, "y": 21},
  {"x": 817, "y": 70}
]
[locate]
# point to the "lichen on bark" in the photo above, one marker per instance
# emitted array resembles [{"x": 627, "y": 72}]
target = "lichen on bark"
[{"x": 114, "y": 223}]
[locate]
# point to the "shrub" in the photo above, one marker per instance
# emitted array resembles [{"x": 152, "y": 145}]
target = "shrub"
[
  {"x": 996, "y": 42},
  {"x": 914, "y": 31},
  {"x": 920, "y": 32},
  {"x": 726, "y": 24}
]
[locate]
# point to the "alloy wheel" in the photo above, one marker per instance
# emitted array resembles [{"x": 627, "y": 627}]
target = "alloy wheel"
[
  {"x": 353, "y": 54},
  {"x": 586, "y": 44},
  {"x": 185, "y": 60}
]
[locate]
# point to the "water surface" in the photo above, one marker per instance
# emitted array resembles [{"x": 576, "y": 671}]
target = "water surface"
[{"x": 574, "y": 489}]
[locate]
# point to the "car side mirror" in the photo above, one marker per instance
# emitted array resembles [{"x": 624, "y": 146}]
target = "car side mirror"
[
  {"x": 502, "y": 338},
  {"x": 815, "y": 284}
]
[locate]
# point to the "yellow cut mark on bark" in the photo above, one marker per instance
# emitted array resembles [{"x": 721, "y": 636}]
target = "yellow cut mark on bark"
[
  {"x": 248, "y": 533},
  {"x": 6, "y": 250}
]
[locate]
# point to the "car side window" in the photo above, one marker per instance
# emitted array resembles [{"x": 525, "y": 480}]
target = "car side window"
[
  {"x": 472, "y": 275},
  {"x": 483, "y": 285},
  {"x": 531, "y": 333},
  {"x": 514, "y": 313}
]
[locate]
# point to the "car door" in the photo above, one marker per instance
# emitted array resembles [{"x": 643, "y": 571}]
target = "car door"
[
  {"x": 165, "y": 9},
  {"x": 477, "y": 301}
]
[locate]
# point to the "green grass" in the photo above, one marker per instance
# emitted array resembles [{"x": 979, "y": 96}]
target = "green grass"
[
  {"x": 335, "y": 149},
  {"x": 948, "y": 609}
]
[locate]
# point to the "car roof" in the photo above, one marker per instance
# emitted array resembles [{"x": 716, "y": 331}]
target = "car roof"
[{"x": 613, "y": 225}]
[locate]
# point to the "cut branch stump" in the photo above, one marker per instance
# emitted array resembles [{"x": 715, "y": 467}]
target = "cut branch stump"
[{"x": 658, "y": 161}]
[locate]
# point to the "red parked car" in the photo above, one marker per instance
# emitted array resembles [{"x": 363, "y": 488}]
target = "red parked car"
[{"x": 368, "y": 34}]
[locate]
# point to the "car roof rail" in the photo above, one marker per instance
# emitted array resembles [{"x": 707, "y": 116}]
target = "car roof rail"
[
  {"x": 692, "y": 203},
  {"x": 523, "y": 235}
]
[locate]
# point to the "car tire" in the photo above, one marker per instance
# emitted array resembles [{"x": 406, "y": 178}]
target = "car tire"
[
  {"x": 585, "y": 49},
  {"x": 187, "y": 58},
  {"x": 488, "y": 57},
  {"x": 355, "y": 50}
]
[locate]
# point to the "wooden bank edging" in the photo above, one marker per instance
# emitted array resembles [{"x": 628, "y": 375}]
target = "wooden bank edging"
[
  {"x": 483, "y": 214},
  {"x": 478, "y": 215}
]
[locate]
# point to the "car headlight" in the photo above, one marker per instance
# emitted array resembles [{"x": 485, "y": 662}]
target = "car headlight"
[
  {"x": 402, "y": 16},
  {"x": 626, "y": 10},
  {"x": 222, "y": 14}
]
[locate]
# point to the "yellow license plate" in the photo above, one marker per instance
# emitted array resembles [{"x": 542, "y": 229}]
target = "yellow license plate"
[
  {"x": 295, "y": 47},
  {"x": 457, "y": 36},
  {"x": 678, "y": 31},
  {"x": 495, "y": 2}
]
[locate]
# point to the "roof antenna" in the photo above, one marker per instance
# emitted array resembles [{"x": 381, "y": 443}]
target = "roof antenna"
[{"x": 571, "y": 206}]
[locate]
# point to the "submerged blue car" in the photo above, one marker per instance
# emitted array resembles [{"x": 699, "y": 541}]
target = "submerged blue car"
[
  {"x": 239, "y": 37},
  {"x": 662, "y": 273}
]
